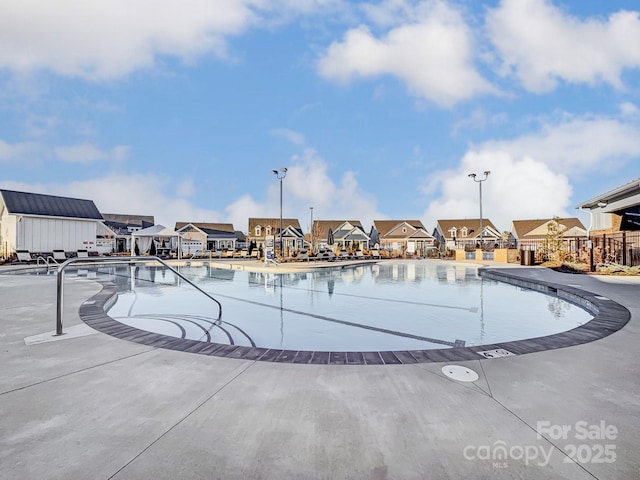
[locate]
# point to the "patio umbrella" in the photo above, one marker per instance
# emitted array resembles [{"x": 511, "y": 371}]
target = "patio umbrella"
[
  {"x": 330, "y": 239},
  {"x": 374, "y": 237}
]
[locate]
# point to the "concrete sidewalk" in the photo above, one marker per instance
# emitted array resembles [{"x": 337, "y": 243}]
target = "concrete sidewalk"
[{"x": 95, "y": 407}]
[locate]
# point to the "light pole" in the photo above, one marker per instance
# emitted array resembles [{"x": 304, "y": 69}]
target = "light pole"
[
  {"x": 277, "y": 173},
  {"x": 479, "y": 182},
  {"x": 311, "y": 227}
]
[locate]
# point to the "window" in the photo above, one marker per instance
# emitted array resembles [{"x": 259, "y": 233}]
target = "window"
[
  {"x": 268, "y": 230},
  {"x": 258, "y": 230},
  {"x": 463, "y": 231},
  {"x": 453, "y": 231}
]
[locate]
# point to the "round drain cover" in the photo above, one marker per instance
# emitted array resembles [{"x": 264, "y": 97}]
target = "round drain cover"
[{"x": 460, "y": 373}]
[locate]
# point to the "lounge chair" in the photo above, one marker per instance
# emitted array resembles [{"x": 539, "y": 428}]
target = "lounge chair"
[
  {"x": 375, "y": 253},
  {"x": 269, "y": 258},
  {"x": 24, "y": 256},
  {"x": 302, "y": 256},
  {"x": 326, "y": 255},
  {"x": 228, "y": 254},
  {"x": 254, "y": 253},
  {"x": 344, "y": 255},
  {"x": 82, "y": 254},
  {"x": 359, "y": 255},
  {"x": 59, "y": 256}
]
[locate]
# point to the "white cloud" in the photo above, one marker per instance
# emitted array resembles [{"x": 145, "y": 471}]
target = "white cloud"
[
  {"x": 109, "y": 39},
  {"x": 517, "y": 188},
  {"x": 541, "y": 44},
  {"x": 530, "y": 174},
  {"x": 478, "y": 119},
  {"x": 86, "y": 153},
  {"x": 629, "y": 109},
  {"x": 308, "y": 184},
  {"x": 186, "y": 188},
  {"x": 576, "y": 144},
  {"x": 432, "y": 55},
  {"x": 131, "y": 194},
  {"x": 19, "y": 152},
  {"x": 294, "y": 137},
  {"x": 390, "y": 12},
  {"x": 105, "y": 39}
]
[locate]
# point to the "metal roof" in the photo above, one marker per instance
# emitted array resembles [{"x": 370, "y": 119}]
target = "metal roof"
[
  {"x": 23, "y": 203},
  {"x": 626, "y": 195}
]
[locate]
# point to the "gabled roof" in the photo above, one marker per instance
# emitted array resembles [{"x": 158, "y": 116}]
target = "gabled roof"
[
  {"x": 126, "y": 219},
  {"x": 538, "y": 228},
  {"x": 273, "y": 222},
  {"x": 321, "y": 227},
  {"x": 472, "y": 224},
  {"x": 289, "y": 231},
  {"x": 385, "y": 227},
  {"x": 155, "y": 231},
  {"x": 23, "y": 203},
  {"x": 225, "y": 227},
  {"x": 209, "y": 232}
]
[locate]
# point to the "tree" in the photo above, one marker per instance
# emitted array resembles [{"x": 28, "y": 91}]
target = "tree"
[
  {"x": 553, "y": 247},
  {"x": 152, "y": 250}
]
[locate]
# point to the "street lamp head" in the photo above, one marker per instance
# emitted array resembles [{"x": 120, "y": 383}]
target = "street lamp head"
[
  {"x": 275, "y": 172},
  {"x": 284, "y": 169},
  {"x": 472, "y": 175},
  {"x": 486, "y": 173}
]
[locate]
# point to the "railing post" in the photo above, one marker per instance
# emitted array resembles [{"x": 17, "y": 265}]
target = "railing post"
[
  {"x": 60, "y": 292},
  {"x": 62, "y": 266}
]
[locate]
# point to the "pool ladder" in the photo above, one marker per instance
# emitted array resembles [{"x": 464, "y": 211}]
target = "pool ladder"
[{"x": 107, "y": 260}]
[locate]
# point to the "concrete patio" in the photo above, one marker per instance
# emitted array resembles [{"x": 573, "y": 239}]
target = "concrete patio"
[{"x": 90, "y": 406}]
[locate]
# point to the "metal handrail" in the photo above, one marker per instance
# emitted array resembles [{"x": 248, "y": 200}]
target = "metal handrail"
[
  {"x": 64, "y": 265},
  {"x": 46, "y": 260}
]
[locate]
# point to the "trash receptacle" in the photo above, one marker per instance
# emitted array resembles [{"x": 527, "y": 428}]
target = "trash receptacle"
[{"x": 527, "y": 257}]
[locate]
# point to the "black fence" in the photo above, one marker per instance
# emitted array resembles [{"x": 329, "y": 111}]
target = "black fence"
[{"x": 622, "y": 248}]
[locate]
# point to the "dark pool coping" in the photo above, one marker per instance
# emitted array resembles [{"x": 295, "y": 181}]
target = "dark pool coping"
[{"x": 609, "y": 317}]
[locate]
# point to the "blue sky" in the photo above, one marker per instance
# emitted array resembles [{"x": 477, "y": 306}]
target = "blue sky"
[{"x": 379, "y": 110}]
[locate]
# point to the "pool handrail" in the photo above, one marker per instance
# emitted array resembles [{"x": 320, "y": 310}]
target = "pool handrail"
[{"x": 60, "y": 278}]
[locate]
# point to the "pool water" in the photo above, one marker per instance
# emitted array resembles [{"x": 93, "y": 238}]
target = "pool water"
[{"x": 387, "y": 306}]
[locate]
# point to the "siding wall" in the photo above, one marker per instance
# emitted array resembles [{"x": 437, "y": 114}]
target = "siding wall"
[
  {"x": 8, "y": 232},
  {"x": 46, "y": 234}
]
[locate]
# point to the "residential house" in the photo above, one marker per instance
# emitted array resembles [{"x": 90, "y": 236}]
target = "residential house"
[
  {"x": 532, "y": 234},
  {"x": 347, "y": 234},
  {"x": 114, "y": 233},
  {"x": 203, "y": 237},
  {"x": 265, "y": 233},
  {"x": 43, "y": 223},
  {"x": 402, "y": 238},
  {"x": 452, "y": 234}
]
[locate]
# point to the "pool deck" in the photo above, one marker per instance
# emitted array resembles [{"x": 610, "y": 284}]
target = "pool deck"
[{"x": 90, "y": 406}]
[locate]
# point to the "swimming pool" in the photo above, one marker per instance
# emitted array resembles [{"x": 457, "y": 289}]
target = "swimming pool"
[{"x": 388, "y": 306}]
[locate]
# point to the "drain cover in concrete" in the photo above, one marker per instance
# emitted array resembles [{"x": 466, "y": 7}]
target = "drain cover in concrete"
[
  {"x": 460, "y": 373},
  {"x": 498, "y": 352}
]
